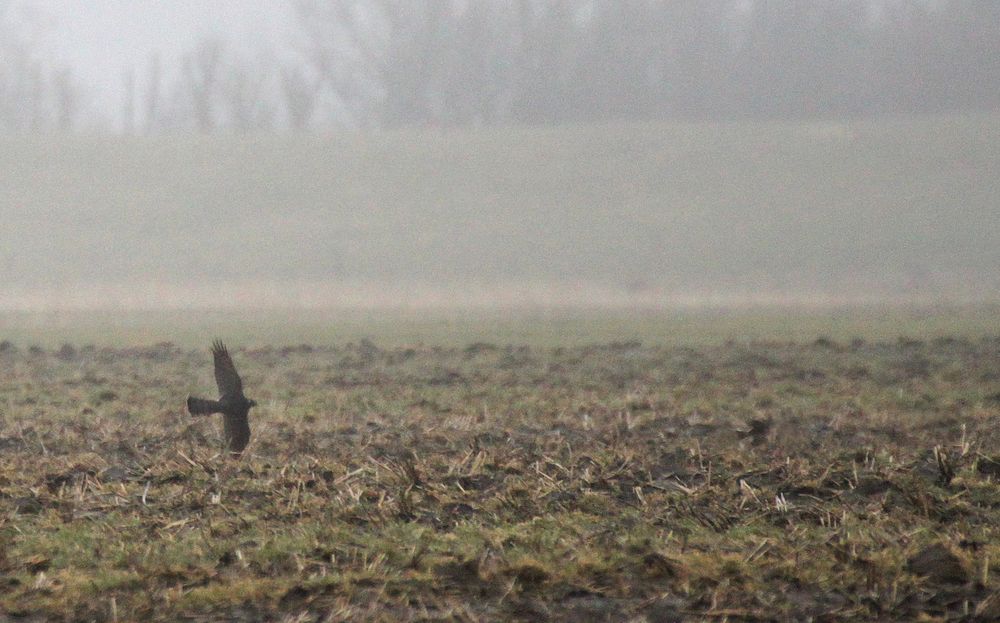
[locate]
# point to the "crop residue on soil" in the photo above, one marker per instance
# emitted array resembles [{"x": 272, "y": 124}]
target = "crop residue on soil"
[{"x": 761, "y": 481}]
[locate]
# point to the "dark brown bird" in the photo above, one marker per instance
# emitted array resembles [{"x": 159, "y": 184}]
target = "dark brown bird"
[{"x": 232, "y": 404}]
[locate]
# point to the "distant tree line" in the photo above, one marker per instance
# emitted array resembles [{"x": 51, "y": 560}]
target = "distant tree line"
[
  {"x": 389, "y": 63},
  {"x": 402, "y": 62},
  {"x": 35, "y": 95}
]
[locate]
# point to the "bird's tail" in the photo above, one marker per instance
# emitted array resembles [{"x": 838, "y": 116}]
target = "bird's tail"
[{"x": 200, "y": 406}]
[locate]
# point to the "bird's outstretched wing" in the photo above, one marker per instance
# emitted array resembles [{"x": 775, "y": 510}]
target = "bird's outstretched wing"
[{"x": 226, "y": 376}]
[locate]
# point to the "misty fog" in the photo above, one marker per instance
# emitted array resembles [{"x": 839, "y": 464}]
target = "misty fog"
[{"x": 363, "y": 153}]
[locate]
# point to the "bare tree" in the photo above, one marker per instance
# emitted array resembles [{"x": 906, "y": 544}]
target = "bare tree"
[
  {"x": 30, "y": 93},
  {"x": 128, "y": 101},
  {"x": 154, "y": 79},
  {"x": 22, "y": 88},
  {"x": 546, "y": 60},
  {"x": 332, "y": 55},
  {"x": 35, "y": 94},
  {"x": 245, "y": 97},
  {"x": 476, "y": 72},
  {"x": 201, "y": 70},
  {"x": 66, "y": 98},
  {"x": 301, "y": 95},
  {"x": 380, "y": 57}
]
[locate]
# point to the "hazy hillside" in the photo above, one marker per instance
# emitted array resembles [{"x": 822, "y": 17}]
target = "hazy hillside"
[{"x": 647, "y": 213}]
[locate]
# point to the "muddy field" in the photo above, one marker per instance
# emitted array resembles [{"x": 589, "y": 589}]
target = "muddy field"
[{"x": 821, "y": 480}]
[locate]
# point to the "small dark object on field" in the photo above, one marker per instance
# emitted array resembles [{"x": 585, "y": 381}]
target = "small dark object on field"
[
  {"x": 66, "y": 352},
  {"x": 988, "y": 466},
  {"x": 946, "y": 473},
  {"x": 757, "y": 430},
  {"x": 232, "y": 404},
  {"x": 27, "y": 505},
  {"x": 938, "y": 564}
]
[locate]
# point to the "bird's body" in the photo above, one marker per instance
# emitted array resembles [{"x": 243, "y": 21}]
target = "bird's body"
[{"x": 232, "y": 403}]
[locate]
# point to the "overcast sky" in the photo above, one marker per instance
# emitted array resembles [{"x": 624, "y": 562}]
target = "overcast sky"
[{"x": 101, "y": 38}]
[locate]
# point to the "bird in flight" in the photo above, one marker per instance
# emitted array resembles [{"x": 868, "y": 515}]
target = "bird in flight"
[{"x": 232, "y": 404}]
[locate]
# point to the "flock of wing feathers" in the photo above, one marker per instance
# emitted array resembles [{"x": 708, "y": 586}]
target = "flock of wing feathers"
[{"x": 232, "y": 403}]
